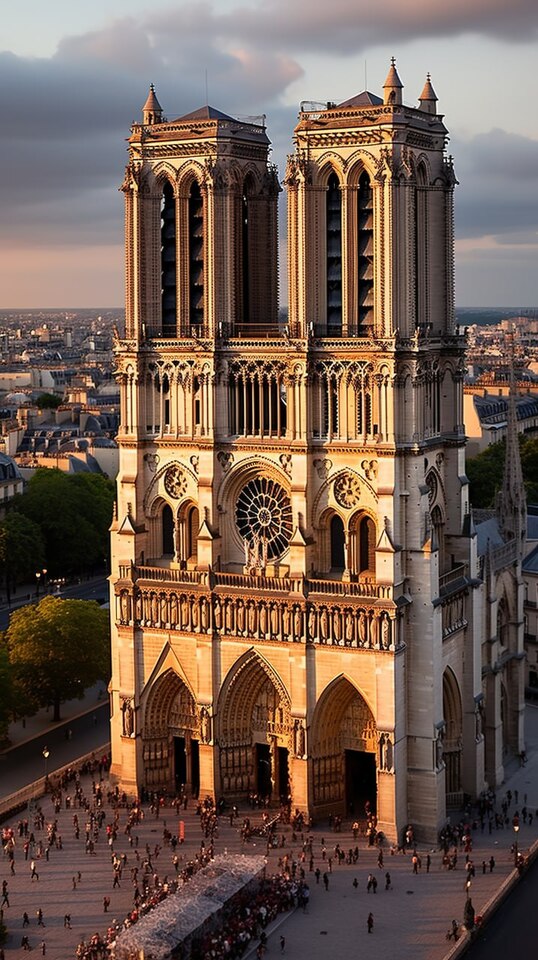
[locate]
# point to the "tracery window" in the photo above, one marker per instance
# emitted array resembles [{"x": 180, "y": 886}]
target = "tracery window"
[
  {"x": 334, "y": 256},
  {"x": 168, "y": 261}
]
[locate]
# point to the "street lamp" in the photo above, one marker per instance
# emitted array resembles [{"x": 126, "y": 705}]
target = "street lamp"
[
  {"x": 515, "y": 824},
  {"x": 37, "y": 578},
  {"x": 46, "y": 755},
  {"x": 468, "y": 910}
]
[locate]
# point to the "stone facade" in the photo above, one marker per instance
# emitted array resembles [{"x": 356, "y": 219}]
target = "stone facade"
[{"x": 298, "y": 598}]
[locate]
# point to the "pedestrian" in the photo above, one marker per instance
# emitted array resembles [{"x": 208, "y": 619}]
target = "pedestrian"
[
  {"x": 374, "y": 884},
  {"x": 355, "y": 883},
  {"x": 282, "y": 944},
  {"x": 317, "y": 874},
  {"x": 484, "y": 866},
  {"x": 74, "y": 883},
  {"x": 388, "y": 881},
  {"x": 491, "y": 864},
  {"x": 43, "y": 947},
  {"x": 67, "y": 921},
  {"x": 40, "y": 918},
  {"x": 25, "y": 920},
  {"x": 33, "y": 872},
  {"x": 428, "y": 863},
  {"x": 380, "y": 860},
  {"x": 326, "y": 880},
  {"x": 106, "y": 904},
  {"x": 25, "y": 944},
  {"x": 5, "y": 894},
  {"x": 370, "y": 922}
]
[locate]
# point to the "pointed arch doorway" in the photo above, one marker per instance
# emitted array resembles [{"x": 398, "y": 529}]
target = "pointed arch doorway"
[
  {"x": 171, "y": 736},
  {"x": 344, "y": 749},
  {"x": 254, "y": 731}
]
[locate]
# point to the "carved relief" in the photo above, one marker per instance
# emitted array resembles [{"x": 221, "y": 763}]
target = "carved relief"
[
  {"x": 175, "y": 482},
  {"x": 347, "y": 490}
]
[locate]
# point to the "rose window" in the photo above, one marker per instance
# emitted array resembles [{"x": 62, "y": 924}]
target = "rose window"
[{"x": 263, "y": 516}]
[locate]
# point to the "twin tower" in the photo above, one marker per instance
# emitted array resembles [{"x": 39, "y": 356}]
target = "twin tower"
[{"x": 292, "y": 551}]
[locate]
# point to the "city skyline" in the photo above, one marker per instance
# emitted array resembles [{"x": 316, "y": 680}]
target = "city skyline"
[{"x": 72, "y": 84}]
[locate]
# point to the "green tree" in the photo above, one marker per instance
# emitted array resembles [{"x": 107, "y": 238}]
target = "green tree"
[
  {"x": 48, "y": 401},
  {"x": 74, "y": 515},
  {"x": 22, "y": 550},
  {"x": 485, "y": 472},
  {"x": 6, "y": 688},
  {"x": 57, "y": 649}
]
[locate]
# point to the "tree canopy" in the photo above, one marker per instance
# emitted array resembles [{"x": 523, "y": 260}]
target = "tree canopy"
[
  {"x": 485, "y": 472},
  {"x": 57, "y": 649},
  {"x": 74, "y": 515},
  {"x": 48, "y": 401},
  {"x": 22, "y": 550}
]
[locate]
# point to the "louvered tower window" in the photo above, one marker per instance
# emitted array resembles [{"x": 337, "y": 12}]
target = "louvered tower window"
[
  {"x": 334, "y": 256},
  {"x": 366, "y": 254},
  {"x": 168, "y": 262},
  {"x": 245, "y": 272},
  {"x": 196, "y": 255}
]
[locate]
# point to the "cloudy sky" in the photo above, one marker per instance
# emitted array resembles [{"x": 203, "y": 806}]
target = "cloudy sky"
[{"x": 74, "y": 75}]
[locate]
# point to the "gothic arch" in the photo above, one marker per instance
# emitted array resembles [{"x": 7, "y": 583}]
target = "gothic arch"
[
  {"x": 170, "y": 734},
  {"x": 360, "y": 162},
  {"x": 453, "y": 734},
  {"x": 330, "y": 163},
  {"x": 156, "y": 486},
  {"x": 422, "y": 171},
  {"x": 189, "y": 173},
  {"x": 343, "y": 730},
  {"x": 169, "y": 698},
  {"x": 326, "y": 495},
  {"x": 246, "y": 679},
  {"x": 163, "y": 173},
  {"x": 253, "y": 720}
]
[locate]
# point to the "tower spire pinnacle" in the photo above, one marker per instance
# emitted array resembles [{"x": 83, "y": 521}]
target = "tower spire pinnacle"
[{"x": 513, "y": 502}]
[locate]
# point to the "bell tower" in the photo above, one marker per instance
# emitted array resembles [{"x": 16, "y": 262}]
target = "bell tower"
[{"x": 292, "y": 551}]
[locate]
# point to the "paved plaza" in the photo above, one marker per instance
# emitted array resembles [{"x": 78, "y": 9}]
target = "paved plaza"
[{"x": 410, "y": 920}]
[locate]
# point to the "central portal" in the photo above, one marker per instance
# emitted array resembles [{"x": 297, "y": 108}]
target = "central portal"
[
  {"x": 263, "y": 770},
  {"x": 360, "y": 774}
]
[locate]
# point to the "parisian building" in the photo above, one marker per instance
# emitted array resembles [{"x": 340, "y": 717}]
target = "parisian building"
[{"x": 303, "y": 607}]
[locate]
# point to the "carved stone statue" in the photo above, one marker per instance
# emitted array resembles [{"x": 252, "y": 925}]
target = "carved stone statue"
[
  {"x": 324, "y": 624},
  {"x": 205, "y": 725},
  {"x": 299, "y": 739},
  {"x": 128, "y": 719}
]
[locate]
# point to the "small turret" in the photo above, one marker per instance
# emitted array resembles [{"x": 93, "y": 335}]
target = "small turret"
[
  {"x": 428, "y": 100},
  {"x": 393, "y": 86},
  {"x": 152, "y": 112}
]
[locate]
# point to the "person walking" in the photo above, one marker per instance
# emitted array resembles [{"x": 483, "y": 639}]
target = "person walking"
[
  {"x": 326, "y": 880},
  {"x": 388, "y": 881},
  {"x": 40, "y": 918},
  {"x": 282, "y": 944},
  {"x": 5, "y": 894},
  {"x": 25, "y": 920},
  {"x": 33, "y": 872},
  {"x": 370, "y": 922}
]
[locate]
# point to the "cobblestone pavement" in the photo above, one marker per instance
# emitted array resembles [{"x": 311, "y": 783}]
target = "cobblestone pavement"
[{"x": 410, "y": 920}]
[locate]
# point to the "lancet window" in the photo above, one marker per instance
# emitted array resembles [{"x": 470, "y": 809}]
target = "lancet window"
[
  {"x": 168, "y": 261},
  {"x": 257, "y": 401},
  {"x": 334, "y": 256},
  {"x": 196, "y": 255},
  {"x": 365, "y": 254}
]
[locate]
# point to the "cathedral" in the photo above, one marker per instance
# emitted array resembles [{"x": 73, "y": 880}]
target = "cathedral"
[{"x": 303, "y": 605}]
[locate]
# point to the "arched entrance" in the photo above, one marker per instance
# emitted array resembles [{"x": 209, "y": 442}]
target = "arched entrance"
[
  {"x": 171, "y": 736},
  {"x": 453, "y": 738},
  {"x": 254, "y": 730},
  {"x": 344, "y": 752}
]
